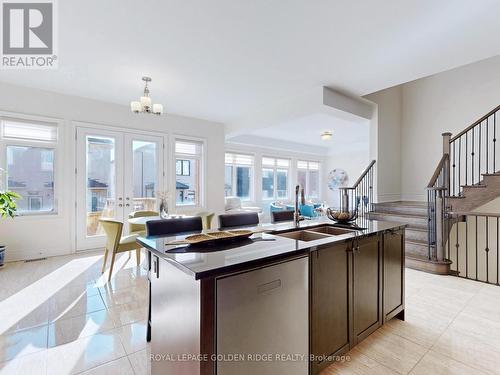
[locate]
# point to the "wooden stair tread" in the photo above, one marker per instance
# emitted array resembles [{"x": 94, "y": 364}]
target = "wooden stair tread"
[
  {"x": 413, "y": 216},
  {"x": 417, "y": 242},
  {"x": 473, "y": 186},
  {"x": 403, "y": 204}
]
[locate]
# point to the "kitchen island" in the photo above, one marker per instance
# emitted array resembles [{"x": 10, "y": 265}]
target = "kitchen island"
[{"x": 289, "y": 300}]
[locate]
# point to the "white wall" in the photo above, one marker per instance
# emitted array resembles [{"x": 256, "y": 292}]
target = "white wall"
[
  {"x": 388, "y": 158},
  {"x": 352, "y": 162},
  {"x": 412, "y": 117},
  {"x": 448, "y": 101},
  {"x": 31, "y": 237}
]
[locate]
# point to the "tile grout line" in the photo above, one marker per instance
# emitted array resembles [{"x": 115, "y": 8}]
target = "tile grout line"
[{"x": 444, "y": 331}]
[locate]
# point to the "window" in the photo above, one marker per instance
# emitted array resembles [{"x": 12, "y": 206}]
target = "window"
[
  {"x": 30, "y": 152},
  {"x": 188, "y": 171},
  {"x": 275, "y": 178},
  {"x": 238, "y": 179},
  {"x": 183, "y": 167},
  {"x": 308, "y": 177}
]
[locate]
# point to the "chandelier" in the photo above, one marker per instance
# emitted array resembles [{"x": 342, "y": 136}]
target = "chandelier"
[{"x": 144, "y": 104}]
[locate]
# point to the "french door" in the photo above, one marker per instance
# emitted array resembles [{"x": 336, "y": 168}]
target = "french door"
[{"x": 117, "y": 173}]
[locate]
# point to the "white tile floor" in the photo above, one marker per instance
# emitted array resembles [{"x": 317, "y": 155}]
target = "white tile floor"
[
  {"x": 59, "y": 316},
  {"x": 452, "y": 326}
]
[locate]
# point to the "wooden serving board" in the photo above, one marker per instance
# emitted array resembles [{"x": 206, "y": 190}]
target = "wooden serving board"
[{"x": 213, "y": 237}]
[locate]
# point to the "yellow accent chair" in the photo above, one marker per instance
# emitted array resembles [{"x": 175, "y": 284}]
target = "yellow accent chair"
[
  {"x": 116, "y": 243},
  {"x": 140, "y": 228}
]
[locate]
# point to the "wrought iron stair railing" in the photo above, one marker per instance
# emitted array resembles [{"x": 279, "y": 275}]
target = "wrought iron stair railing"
[{"x": 360, "y": 195}]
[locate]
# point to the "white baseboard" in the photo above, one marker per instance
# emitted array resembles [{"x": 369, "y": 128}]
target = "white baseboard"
[
  {"x": 388, "y": 197},
  {"x": 21, "y": 255},
  {"x": 419, "y": 197}
]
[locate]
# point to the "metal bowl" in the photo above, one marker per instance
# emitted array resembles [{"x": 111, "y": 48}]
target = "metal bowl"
[{"x": 342, "y": 216}]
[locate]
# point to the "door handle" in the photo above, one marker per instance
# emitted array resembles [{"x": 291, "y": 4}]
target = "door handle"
[
  {"x": 120, "y": 205},
  {"x": 127, "y": 205},
  {"x": 269, "y": 286}
]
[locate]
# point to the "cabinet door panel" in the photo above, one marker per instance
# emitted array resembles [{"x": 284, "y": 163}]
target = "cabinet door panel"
[
  {"x": 329, "y": 307},
  {"x": 394, "y": 256},
  {"x": 367, "y": 287}
]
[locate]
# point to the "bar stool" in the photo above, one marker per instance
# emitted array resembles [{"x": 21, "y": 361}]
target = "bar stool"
[
  {"x": 242, "y": 219},
  {"x": 279, "y": 216}
]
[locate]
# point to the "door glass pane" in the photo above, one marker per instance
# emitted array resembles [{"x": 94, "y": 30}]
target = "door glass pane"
[
  {"x": 267, "y": 183},
  {"x": 187, "y": 183},
  {"x": 30, "y": 173},
  {"x": 144, "y": 175},
  {"x": 101, "y": 171},
  {"x": 282, "y": 183}
]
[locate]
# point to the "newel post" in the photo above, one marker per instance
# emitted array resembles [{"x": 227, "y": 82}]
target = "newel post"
[
  {"x": 446, "y": 151},
  {"x": 441, "y": 232}
]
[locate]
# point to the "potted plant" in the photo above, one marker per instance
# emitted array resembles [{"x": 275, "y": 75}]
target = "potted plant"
[{"x": 8, "y": 208}]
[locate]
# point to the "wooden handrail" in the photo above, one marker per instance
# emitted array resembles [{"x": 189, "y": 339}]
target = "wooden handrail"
[
  {"x": 475, "y": 124},
  {"x": 365, "y": 172},
  {"x": 438, "y": 170}
]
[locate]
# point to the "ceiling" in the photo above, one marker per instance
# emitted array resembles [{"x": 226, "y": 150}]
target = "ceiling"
[
  {"x": 347, "y": 135},
  {"x": 223, "y": 59}
]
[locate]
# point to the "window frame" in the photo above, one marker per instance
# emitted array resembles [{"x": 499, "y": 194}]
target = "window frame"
[
  {"x": 202, "y": 162},
  {"x": 56, "y": 146},
  {"x": 275, "y": 167},
  {"x": 308, "y": 176},
  {"x": 251, "y": 195}
]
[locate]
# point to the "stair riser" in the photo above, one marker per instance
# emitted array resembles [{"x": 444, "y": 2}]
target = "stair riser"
[
  {"x": 401, "y": 210},
  {"x": 417, "y": 235},
  {"x": 412, "y": 249},
  {"x": 413, "y": 222}
]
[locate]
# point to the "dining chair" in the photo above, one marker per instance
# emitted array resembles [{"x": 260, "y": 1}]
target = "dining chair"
[
  {"x": 279, "y": 216},
  {"x": 139, "y": 228},
  {"x": 116, "y": 243},
  {"x": 174, "y": 226},
  {"x": 242, "y": 219}
]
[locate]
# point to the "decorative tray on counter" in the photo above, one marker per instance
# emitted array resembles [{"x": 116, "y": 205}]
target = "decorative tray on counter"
[{"x": 213, "y": 237}]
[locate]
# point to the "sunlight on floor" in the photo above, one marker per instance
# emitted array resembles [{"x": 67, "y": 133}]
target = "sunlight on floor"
[
  {"x": 27, "y": 300},
  {"x": 62, "y": 317},
  {"x": 65, "y": 318}
]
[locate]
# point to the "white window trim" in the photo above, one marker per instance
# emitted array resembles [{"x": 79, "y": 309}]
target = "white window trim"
[
  {"x": 58, "y": 165},
  {"x": 173, "y": 176},
  {"x": 308, "y": 171},
  {"x": 252, "y": 173},
  {"x": 275, "y": 168}
]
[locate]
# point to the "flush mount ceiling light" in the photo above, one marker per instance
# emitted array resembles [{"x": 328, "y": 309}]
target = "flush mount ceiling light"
[
  {"x": 326, "y": 135},
  {"x": 144, "y": 104}
]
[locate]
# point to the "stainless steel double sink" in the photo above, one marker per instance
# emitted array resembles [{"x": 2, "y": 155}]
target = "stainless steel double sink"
[{"x": 316, "y": 233}]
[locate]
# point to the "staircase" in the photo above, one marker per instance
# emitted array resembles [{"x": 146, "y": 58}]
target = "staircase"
[
  {"x": 466, "y": 178},
  {"x": 446, "y": 234},
  {"x": 474, "y": 196},
  {"x": 415, "y": 215}
]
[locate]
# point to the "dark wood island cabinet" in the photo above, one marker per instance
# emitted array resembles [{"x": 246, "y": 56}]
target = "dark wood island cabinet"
[
  {"x": 300, "y": 296},
  {"x": 355, "y": 288}
]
